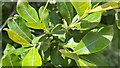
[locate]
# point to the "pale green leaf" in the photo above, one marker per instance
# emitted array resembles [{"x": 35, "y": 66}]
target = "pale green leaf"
[
  {"x": 32, "y": 58},
  {"x": 106, "y": 6},
  {"x": 81, "y": 7},
  {"x": 36, "y": 25},
  {"x": 16, "y": 38}
]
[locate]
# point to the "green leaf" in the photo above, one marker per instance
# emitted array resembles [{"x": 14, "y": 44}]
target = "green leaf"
[
  {"x": 9, "y": 48},
  {"x": 11, "y": 60},
  {"x": 57, "y": 29},
  {"x": 90, "y": 21},
  {"x": 54, "y": 17},
  {"x": 39, "y": 38},
  {"x": 36, "y": 25},
  {"x": 118, "y": 20},
  {"x": 16, "y": 38},
  {"x": 26, "y": 11},
  {"x": 69, "y": 54},
  {"x": 32, "y": 58},
  {"x": 106, "y": 6},
  {"x": 17, "y": 24},
  {"x": 81, "y": 7},
  {"x": 56, "y": 57},
  {"x": 95, "y": 58},
  {"x": 20, "y": 51},
  {"x": 66, "y": 10},
  {"x": 46, "y": 16},
  {"x": 92, "y": 43},
  {"x": 81, "y": 62}
]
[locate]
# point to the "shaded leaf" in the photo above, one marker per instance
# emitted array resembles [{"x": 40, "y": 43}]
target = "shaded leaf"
[
  {"x": 32, "y": 58},
  {"x": 92, "y": 43},
  {"x": 54, "y": 18},
  {"x": 95, "y": 58},
  {"x": 56, "y": 57},
  {"x": 66, "y": 10}
]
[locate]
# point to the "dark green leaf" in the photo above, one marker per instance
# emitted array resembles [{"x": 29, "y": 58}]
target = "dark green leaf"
[
  {"x": 54, "y": 18},
  {"x": 66, "y": 10},
  {"x": 56, "y": 57}
]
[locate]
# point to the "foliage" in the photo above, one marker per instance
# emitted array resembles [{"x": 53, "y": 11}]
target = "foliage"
[{"x": 69, "y": 34}]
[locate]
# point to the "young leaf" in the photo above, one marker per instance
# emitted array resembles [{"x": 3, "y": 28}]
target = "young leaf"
[
  {"x": 106, "y": 6},
  {"x": 45, "y": 17},
  {"x": 66, "y": 10},
  {"x": 26, "y": 11},
  {"x": 90, "y": 21},
  {"x": 81, "y": 7},
  {"x": 16, "y": 38},
  {"x": 17, "y": 24},
  {"x": 33, "y": 58},
  {"x": 92, "y": 43}
]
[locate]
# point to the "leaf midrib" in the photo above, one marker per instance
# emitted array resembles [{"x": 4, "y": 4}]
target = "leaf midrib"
[
  {"x": 21, "y": 30},
  {"x": 29, "y": 13}
]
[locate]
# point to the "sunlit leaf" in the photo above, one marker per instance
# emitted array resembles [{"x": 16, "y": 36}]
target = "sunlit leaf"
[
  {"x": 26, "y": 11},
  {"x": 32, "y": 58},
  {"x": 81, "y": 7},
  {"x": 16, "y": 38},
  {"x": 106, "y": 6}
]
